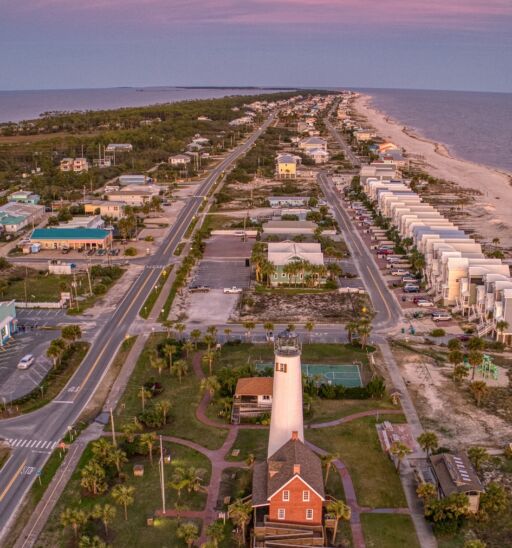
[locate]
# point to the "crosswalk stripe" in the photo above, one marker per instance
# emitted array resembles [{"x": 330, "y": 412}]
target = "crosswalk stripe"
[
  {"x": 23, "y": 444},
  {"x": 17, "y": 443},
  {"x": 32, "y": 443},
  {"x": 46, "y": 444},
  {"x": 54, "y": 444},
  {"x": 38, "y": 443}
]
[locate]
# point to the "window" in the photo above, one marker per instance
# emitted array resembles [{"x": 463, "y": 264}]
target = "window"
[
  {"x": 281, "y": 367},
  {"x": 309, "y": 513},
  {"x": 281, "y": 514},
  {"x": 305, "y": 496},
  {"x": 266, "y": 397},
  {"x": 286, "y": 496}
]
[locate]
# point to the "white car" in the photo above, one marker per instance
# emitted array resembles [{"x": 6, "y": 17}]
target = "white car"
[
  {"x": 441, "y": 316},
  {"x": 399, "y": 272},
  {"x": 26, "y": 361},
  {"x": 424, "y": 302},
  {"x": 409, "y": 280},
  {"x": 233, "y": 289}
]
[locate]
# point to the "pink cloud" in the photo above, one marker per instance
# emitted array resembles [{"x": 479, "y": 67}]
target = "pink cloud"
[{"x": 471, "y": 14}]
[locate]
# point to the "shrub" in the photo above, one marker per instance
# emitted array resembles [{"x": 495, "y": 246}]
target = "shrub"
[
  {"x": 99, "y": 289},
  {"x": 437, "y": 332},
  {"x": 130, "y": 252}
]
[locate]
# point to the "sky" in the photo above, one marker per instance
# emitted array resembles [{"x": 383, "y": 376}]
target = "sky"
[{"x": 430, "y": 44}]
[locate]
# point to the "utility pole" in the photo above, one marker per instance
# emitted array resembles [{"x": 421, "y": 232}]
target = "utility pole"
[
  {"x": 113, "y": 428},
  {"x": 89, "y": 276},
  {"x": 162, "y": 479}
]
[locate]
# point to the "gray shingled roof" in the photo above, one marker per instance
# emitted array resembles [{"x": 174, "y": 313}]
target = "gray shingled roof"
[{"x": 271, "y": 475}]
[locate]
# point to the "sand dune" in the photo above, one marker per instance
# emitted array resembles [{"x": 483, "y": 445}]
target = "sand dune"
[{"x": 492, "y": 210}]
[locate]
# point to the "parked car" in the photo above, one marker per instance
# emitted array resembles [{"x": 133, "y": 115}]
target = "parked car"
[
  {"x": 399, "y": 272},
  {"x": 199, "y": 288},
  {"x": 424, "y": 303},
  {"x": 409, "y": 280},
  {"x": 26, "y": 361},
  {"x": 411, "y": 288},
  {"x": 384, "y": 251},
  {"x": 441, "y": 316},
  {"x": 233, "y": 289},
  {"x": 65, "y": 250}
]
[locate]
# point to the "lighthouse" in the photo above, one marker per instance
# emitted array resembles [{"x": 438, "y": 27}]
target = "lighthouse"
[{"x": 286, "y": 418}]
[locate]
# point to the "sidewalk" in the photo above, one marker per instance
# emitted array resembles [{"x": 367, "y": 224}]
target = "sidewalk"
[{"x": 45, "y": 506}]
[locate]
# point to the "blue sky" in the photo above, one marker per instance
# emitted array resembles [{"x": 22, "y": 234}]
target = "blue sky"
[{"x": 450, "y": 44}]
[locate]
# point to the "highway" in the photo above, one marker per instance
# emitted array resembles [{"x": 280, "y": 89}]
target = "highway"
[{"x": 35, "y": 435}]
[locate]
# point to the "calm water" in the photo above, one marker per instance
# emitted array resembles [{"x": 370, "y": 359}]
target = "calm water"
[
  {"x": 26, "y": 105},
  {"x": 474, "y": 126}
]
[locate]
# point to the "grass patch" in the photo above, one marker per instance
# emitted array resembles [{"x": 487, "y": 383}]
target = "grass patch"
[
  {"x": 220, "y": 222},
  {"x": 185, "y": 398},
  {"x": 4, "y": 455},
  {"x": 179, "y": 249},
  {"x": 53, "y": 383},
  {"x": 234, "y": 483},
  {"x": 389, "y": 531},
  {"x": 376, "y": 481},
  {"x": 250, "y": 441},
  {"x": 148, "y": 305},
  {"x": 328, "y": 410},
  {"x": 133, "y": 532},
  {"x": 191, "y": 227}
]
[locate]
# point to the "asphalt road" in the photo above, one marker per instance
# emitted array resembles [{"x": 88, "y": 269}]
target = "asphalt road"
[
  {"x": 349, "y": 153},
  {"x": 33, "y": 436}
]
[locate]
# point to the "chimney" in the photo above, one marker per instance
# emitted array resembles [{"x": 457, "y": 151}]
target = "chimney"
[
  {"x": 296, "y": 469},
  {"x": 295, "y": 435}
]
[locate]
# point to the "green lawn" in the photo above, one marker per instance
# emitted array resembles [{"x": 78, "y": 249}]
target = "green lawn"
[
  {"x": 375, "y": 479},
  {"x": 250, "y": 441},
  {"x": 239, "y": 354},
  {"x": 133, "y": 532},
  {"x": 184, "y": 397},
  {"x": 389, "y": 531},
  {"x": 327, "y": 410}
]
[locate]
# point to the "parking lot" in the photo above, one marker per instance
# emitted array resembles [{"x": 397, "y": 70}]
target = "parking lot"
[
  {"x": 219, "y": 274},
  {"x": 15, "y": 382}
]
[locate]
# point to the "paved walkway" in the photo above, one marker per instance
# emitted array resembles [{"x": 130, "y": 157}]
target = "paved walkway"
[{"x": 44, "y": 508}]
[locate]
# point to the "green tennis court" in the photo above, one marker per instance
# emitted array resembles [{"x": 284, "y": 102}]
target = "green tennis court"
[{"x": 347, "y": 375}]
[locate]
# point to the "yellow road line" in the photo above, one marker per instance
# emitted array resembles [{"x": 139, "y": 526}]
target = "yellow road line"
[{"x": 12, "y": 480}]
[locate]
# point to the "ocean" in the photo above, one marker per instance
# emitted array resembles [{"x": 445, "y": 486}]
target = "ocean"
[
  {"x": 474, "y": 126},
  {"x": 27, "y": 105}
]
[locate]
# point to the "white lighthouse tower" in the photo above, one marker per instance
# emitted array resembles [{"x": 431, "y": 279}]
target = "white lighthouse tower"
[{"x": 287, "y": 392}]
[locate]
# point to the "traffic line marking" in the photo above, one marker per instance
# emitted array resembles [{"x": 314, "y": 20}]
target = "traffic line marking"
[{"x": 12, "y": 480}]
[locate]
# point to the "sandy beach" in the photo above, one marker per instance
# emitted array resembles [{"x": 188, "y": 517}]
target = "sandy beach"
[{"x": 491, "y": 213}]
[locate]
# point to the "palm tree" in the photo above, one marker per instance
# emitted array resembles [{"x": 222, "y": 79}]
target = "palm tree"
[
  {"x": 479, "y": 390},
  {"x": 227, "y": 332},
  {"x": 106, "y": 514},
  {"x": 328, "y": 461},
  {"x": 168, "y": 324},
  {"x": 338, "y": 510},
  {"x": 71, "y": 332},
  {"x": 180, "y": 328},
  {"x": 428, "y": 442},
  {"x": 476, "y": 343},
  {"x": 268, "y": 269},
  {"x": 130, "y": 429},
  {"x": 179, "y": 369},
  {"x": 156, "y": 362},
  {"x": 475, "y": 359},
  {"x": 309, "y": 326},
  {"x": 454, "y": 344},
  {"x": 478, "y": 455},
  {"x": 364, "y": 330},
  {"x": 240, "y": 512},
  {"x": 208, "y": 358},
  {"x": 169, "y": 350},
  {"x": 459, "y": 373},
  {"x": 101, "y": 450},
  {"x": 188, "y": 346},
  {"x": 215, "y": 532},
  {"x": 93, "y": 478},
  {"x": 426, "y": 491},
  {"x": 74, "y": 518},
  {"x": 249, "y": 326},
  {"x": 290, "y": 327},
  {"x": 163, "y": 407},
  {"x": 455, "y": 357},
  {"x": 501, "y": 326},
  {"x": 351, "y": 327},
  {"x": 268, "y": 327},
  {"x": 210, "y": 384},
  {"x": 195, "y": 335},
  {"x": 149, "y": 439},
  {"x": 144, "y": 394},
  {"x": 399, "y": 450},
  {"x": 124, "y": 496},
  {"x": 212, "y": 331},
  {"x": 189, "y": 532},
  {"x": 118, "y": 458},
  {"x": 210, "y": 341}
]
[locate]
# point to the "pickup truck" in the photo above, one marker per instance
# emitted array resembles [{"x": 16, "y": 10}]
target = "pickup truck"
[{"x": 233, "y": 289}]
